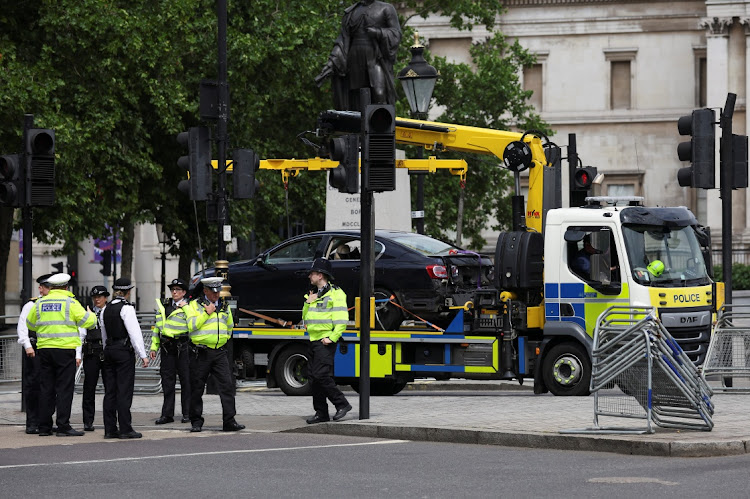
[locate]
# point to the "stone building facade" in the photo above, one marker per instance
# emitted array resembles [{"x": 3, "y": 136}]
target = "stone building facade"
[{"x": 619, "y": 74}]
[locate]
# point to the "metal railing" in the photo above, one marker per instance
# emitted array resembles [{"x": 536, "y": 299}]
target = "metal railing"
[{"x": 739, "y": 255}]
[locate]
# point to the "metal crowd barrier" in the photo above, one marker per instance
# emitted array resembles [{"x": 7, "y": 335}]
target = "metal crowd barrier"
[
  {"x": 640, "y": 372},
  {"x": 11, "y": 357},
  {"x": 728, "y": 356}
]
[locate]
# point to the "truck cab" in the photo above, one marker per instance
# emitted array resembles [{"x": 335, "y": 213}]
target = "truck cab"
[{"x": 600, "y": 256}]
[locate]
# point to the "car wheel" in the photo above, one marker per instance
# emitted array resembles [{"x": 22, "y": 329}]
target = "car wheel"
[
  {"x": 566, "y": 370},
  {"x": 388, "y": 317},
  {"x": 290, "y": 369}
]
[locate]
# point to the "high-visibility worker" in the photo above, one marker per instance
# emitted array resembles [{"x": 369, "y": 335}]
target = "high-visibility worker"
[
  {"x": 56, "y": 319},
  {"x": 210, "y": 326},
  {"x": 30, "y": 367},
  {"x": 171, "y": 338},
  {"x": 325, "y": 316}
]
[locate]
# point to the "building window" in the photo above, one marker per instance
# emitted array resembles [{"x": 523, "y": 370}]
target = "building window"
[
  {"x": 620, "y": 85},
  {"x": 701, "y": 76},
  {"x": 622, "y": 184},
  {"x": 621, "y": 77},
  {"x": 532, "y": 80}
]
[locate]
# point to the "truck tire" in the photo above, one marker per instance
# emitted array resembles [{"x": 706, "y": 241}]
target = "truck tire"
[
  {"x": 290, "y": 369},
  {"x": 566, "y": 370},
  {"x": 388, "y": 317},
  {"x": 382, "y": 388},
  {"x": 248, "y": 363}
]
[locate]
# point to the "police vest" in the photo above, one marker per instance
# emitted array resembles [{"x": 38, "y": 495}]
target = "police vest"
[
  {"x": 212, "y": 331},
  {"x": 56, "y": 319},
  {"x": 32, "y": 334},
  {"x": 95, "y": 333},
  {"x": 327, "y": 316},
  {"x": 171, "y": 322},
  {"x": 113, "y": 323}
]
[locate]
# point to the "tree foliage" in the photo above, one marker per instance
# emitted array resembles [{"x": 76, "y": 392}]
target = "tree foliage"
[{"x": 117, "y": 80}]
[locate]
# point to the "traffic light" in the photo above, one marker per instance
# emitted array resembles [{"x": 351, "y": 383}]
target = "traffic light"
[
  {"x": 197, "y": 163},
  {"x": 700, "y": 151},
  {"x": 379, "y": 148},
  {"x": 345, "y": 150},
  {"x": 12, "y": 185},
  {"x": 244, "y": 165},
  {"x": 739, "y": 177},
  {"x": 40, "y": 158},
  {"x": 58, "y": 267},
  {"x": 106, "y": 262},
  {"x": 583, "y": 178}
]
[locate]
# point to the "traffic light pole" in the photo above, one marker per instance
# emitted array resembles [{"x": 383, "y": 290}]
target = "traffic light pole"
[
  {"x": 28, "y": 123},
  {"x": 726, "y": 174},
  {"x": 221, "y": 129},
  {"x": 366, "y": 279}
]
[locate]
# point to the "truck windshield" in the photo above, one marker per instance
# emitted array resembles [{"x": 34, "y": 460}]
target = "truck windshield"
[{"x": 665, "y": 256}]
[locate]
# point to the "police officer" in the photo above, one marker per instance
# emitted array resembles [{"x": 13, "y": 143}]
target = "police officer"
[
  {"x": 325, "y": 315},
  {"x": 27, "y": 339},
  {"x": 93, "y": 355},
  {"x": 171, "y": 335},
  {"x": 56, "y": 319},
  {"x": 210, "y": 326},
  {"x": 122, "y": 336}
]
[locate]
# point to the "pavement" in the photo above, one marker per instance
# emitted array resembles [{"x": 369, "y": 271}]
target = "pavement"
[{"x": 458, "y": 411}]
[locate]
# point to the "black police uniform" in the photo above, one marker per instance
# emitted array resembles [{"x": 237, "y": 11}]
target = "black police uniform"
[
  {"x": 93, "y": 358},
  {"x": 30, "y": 377},
  {"x": 118, "y": 372}
]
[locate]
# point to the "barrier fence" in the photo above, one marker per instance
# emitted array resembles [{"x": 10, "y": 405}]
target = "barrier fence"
[
  {"x": 640, "y": 372},
  {"x": 727, "y": 366}
]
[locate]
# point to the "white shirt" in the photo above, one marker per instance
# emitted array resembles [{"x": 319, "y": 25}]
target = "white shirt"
[
  {"x": 127, "y": 314},
  {"x": 23, "y": 330}
]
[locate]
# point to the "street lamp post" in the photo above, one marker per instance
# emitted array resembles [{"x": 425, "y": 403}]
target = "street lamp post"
[
  {"x": 163, "y": 240},
  {"x": 418, "y": 80}
]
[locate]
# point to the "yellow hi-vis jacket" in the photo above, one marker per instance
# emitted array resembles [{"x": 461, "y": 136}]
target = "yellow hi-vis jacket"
[
  {"x": 173, "y": 326},
  {"x": 212, "y": 330},
  {"x": 327, "y": 316},
  {"x": 56, "y": 319}
]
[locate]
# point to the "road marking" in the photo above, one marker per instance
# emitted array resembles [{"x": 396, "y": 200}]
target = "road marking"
[
  {"x": 215, "y": 453},
  {"x": 630, "y": 479}
]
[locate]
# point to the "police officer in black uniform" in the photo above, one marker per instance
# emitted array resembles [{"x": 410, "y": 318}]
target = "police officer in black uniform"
[
  {"x": 122, "y": 336},
  {"x": 93, "y": 356}
]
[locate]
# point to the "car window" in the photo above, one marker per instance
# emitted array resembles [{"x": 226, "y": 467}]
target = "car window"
[
  {"x": 298, "y": 251},
  {"x": 424, "y": 244},
  {"x": 348, "y": 248}
]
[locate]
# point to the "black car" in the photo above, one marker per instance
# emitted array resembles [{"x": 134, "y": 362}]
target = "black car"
[{"x": 423, "y": 275}]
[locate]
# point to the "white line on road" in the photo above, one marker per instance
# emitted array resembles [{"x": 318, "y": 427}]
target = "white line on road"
[{"x": 216, "y": 453}]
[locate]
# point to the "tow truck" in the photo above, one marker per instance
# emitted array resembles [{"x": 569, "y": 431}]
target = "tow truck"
[{"x": 537, "y": 318}]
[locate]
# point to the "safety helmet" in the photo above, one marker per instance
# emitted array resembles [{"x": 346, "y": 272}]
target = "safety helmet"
[{"x": 656, "y": 268}]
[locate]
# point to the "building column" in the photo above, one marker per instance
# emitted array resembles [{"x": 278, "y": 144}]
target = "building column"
[
  {"x": 717, "y": 60},
  {"x": 746, "y": 24}
]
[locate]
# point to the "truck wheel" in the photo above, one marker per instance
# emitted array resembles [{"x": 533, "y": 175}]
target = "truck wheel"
[
  {"x": 290, "y": 368},
  {"x": 567, "y": 370},
  {"x": 388, "y": 317},
  {"x": 248, "y": 363}
]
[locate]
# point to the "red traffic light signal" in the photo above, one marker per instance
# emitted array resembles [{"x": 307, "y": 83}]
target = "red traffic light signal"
[{"x": 583, "y": 178}]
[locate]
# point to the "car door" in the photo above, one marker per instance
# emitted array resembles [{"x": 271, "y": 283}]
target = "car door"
[{"x": 281, "y": 278}]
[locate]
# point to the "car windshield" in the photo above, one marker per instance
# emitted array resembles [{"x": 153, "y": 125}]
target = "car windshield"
[
  {"x": 665, "y": 256},
  {"x": 424, "y": 244}
]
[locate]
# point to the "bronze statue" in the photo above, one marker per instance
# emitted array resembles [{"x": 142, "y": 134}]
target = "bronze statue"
[{"x": 363, "y": 55}]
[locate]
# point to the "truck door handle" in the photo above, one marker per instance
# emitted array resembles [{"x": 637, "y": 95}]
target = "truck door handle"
[{"x": 566, "y": 310}]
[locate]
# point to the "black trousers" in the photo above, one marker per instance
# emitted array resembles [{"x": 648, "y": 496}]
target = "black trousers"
[
  {"x": 205, "y": 361},
  {"x": 320, "y": 371},
  {"x": 92, "y": 366},
  {"x": 175, "y": 360},
  {"x": 31, "y": 374},
  {"x": 57, "y": 378},
  {"x": 118, "y": 373}
]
